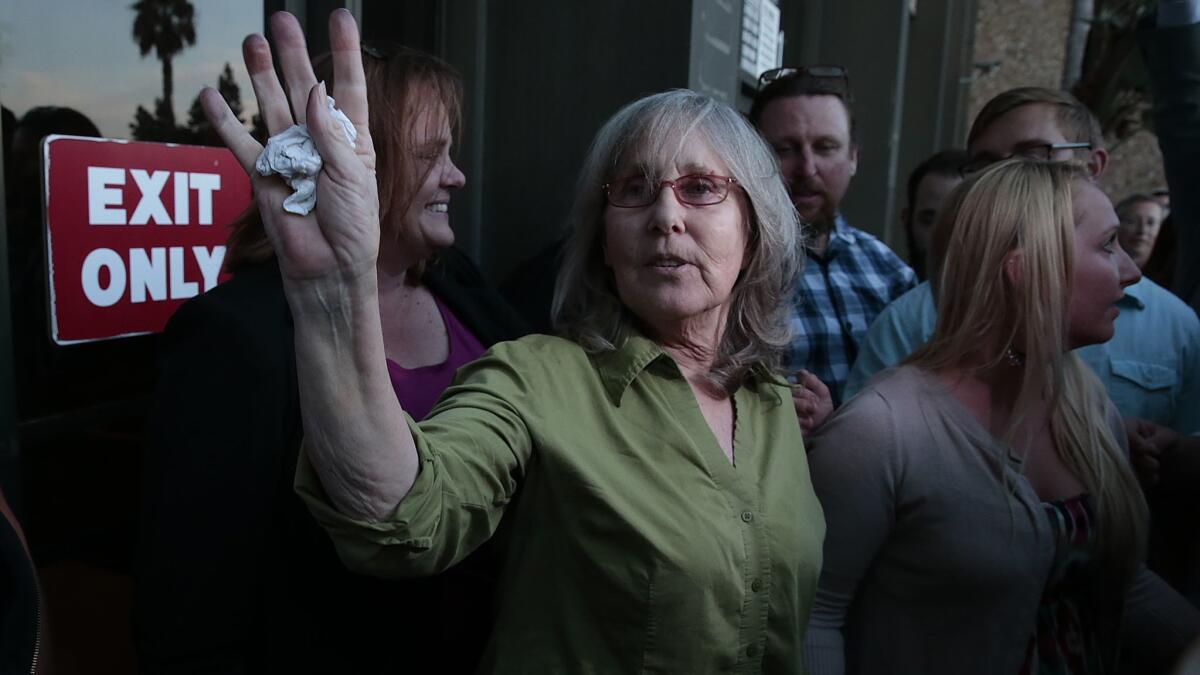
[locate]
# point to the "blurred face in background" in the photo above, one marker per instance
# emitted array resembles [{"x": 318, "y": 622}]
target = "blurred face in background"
[
  {"x": 1140, "y": 222},
  {"x": 921, "y": 215},
  {"x": 1163, "y": 197}
]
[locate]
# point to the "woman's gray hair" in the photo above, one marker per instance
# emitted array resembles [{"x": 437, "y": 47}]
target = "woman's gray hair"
[{"x": 640, "y": 137}]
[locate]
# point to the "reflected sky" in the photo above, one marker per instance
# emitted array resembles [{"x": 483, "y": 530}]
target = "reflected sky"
[{"x": 81, "y": 54}]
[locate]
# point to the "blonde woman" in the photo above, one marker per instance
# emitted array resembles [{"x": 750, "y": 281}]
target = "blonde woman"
[{"x": 982, "y": 515}]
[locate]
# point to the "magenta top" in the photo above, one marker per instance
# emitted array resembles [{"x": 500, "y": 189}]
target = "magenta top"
[{"x": 419, "y": 388}]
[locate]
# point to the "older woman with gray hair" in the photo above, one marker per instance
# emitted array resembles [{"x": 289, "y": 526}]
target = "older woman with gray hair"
[{"x": 648, "y": 468}]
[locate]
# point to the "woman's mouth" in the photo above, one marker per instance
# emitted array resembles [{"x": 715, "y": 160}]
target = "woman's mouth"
[
  {"x": 438, "y": 207},
  {"x": 667, "y": 262}
]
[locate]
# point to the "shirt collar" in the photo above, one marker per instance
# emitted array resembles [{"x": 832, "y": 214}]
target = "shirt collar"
[
  {"x": 1135, "y": 295},
  {"x": 839, "y": 237},
  {"x": 841, "y": 229},
  {"x": 619, "y": 368}
]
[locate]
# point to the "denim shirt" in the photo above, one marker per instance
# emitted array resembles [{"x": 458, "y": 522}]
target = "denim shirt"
[{"x": 1150, "y": 368}]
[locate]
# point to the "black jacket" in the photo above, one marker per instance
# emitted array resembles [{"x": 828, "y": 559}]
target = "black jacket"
[
  {"x": 20, "y": 613},
  {"x": 235, "y": 576}
]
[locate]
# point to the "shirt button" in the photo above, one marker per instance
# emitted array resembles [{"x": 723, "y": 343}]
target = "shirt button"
[
  {"x": 751, "y": 651},
  {"x": 756, "y": 585},
  {"x": 747, "y": 516}
]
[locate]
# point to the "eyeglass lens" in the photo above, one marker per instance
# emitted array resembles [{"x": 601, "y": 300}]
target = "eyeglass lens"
[
  {"x": 696, "y": 190},
  {"x": 1044, "y": 152}
]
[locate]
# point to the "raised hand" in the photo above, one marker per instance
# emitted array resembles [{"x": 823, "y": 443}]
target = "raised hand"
[
  {"x": 339, "y": 241},
  {"x": 812, "y": 400},
  {"x": 1148, "y": 443}
]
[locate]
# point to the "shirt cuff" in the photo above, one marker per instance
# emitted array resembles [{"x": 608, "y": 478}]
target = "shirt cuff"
[
  {"x": 408, "y": 531},
  {"x": 1173, "y": 13}
]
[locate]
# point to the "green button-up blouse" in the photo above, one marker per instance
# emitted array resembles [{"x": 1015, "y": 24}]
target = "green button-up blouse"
[{"x": 633, "y": 545}]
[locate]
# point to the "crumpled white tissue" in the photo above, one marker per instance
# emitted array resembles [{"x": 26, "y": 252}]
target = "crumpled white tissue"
[{"x": 293, "y": 155}]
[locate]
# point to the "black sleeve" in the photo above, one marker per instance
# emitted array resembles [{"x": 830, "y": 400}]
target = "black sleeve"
[
  {"x": 223, "y": 427},
  {"x": 530, "y": 287},
  {"x": 1172, "y": 57},
  {"x": 454, "y": 278}
]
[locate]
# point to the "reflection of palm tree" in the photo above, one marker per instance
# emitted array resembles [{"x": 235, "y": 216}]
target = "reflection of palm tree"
[{"x": 166, "y": 26}]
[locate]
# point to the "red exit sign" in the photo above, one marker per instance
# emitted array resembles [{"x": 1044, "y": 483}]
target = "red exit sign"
[{"x": 132, "y": 230}]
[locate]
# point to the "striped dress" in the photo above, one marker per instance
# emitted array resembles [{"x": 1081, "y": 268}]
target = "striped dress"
[{"x": 1065, "y": 640}]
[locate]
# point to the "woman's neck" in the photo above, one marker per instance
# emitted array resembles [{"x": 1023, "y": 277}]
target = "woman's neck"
[
  {"x": 990, "y": 391},
  {"x": 396, "y": 271},
  {"x": 693, "y": 345}
]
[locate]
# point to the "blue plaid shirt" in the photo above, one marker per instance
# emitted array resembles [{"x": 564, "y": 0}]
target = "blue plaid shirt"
[{"x": 836, "y": 299}]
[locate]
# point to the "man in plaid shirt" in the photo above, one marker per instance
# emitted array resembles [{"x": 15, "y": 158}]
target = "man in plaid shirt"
[{"x": 850, "y": 276}]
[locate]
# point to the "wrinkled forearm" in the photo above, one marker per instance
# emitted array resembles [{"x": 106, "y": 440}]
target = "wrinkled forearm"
[{"x": 356, "y": 435}]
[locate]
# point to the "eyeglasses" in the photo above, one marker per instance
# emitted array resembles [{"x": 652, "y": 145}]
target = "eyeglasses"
[
  {"x": 821, "y": 72},
  {"x": 1042, "y": 151},
  {"x": 693, "y": 190}
]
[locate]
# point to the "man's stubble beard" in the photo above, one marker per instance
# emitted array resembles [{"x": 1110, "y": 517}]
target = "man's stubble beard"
[{"x": 822, "y": 221}]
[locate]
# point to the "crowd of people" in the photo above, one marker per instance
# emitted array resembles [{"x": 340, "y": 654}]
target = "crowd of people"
[{"x": 753, "y": 438}]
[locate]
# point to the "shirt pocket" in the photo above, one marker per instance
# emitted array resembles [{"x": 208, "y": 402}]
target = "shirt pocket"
[
  {"x": 1145, "y": 390},
  {"x": 1148, "y": 376}
]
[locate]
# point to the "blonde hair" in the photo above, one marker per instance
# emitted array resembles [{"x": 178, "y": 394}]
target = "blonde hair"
[
  {"x": 586, "y": 307},
  {"x": 1025, "y": 205}
]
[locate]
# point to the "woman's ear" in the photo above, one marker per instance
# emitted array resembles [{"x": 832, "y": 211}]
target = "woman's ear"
[{"x": 1012, "y": 268}]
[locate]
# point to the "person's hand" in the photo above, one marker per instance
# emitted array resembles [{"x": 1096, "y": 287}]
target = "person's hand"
[
  {"x": 339, "y": 241},
  {"x": 1147, "y": 442},
  {"x": 812, "y": 400}
]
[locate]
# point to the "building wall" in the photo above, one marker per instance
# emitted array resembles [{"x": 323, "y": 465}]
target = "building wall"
[
  {"x": 940, "y": 54},
  {"x": 1136, "y": 166},
  {"x": 1028, "y": 38},
  {"x": 555, "y": 72},
  {"x": 835, "y": 32}
]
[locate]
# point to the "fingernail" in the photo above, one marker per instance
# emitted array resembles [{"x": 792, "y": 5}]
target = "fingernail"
[{"x": 322, "y": 85}]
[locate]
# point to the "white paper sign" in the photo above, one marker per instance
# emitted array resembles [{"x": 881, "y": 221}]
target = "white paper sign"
[{"x": 768, "y": 36}]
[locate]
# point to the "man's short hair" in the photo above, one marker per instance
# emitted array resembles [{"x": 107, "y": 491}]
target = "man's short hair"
[
  {"x": 1075, "y": 120},
  {"x": 803, "y": 84},
  {"x": 944, "y": 163}
]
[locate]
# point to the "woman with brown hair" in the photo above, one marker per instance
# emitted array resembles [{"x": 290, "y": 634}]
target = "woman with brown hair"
[{"x": 236, "y": 575}]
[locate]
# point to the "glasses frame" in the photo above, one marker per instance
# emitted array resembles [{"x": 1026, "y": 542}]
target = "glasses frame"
[
  {"x": 728, "y": 181},
  {"x": 975, "y": 166},
  {"x": 825, "y": 71}
]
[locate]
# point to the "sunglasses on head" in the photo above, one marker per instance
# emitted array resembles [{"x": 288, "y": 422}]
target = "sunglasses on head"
[{"x": 819, "y": 72}]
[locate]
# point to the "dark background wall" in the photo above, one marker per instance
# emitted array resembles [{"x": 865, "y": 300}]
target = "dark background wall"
[
  {"x": 542, "y": 76},
  {"x": 555, "y": 71},
  {"x": 908, "y": 74}
]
